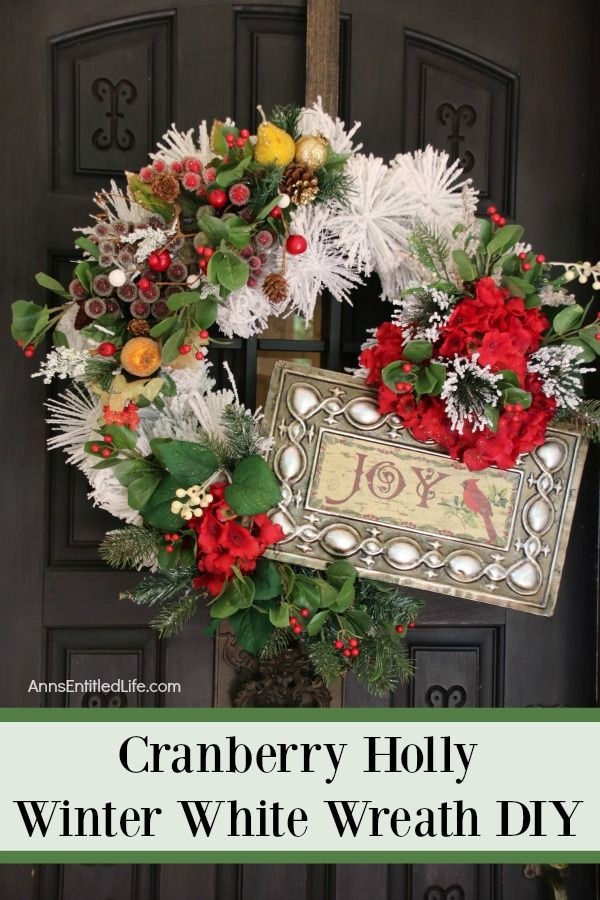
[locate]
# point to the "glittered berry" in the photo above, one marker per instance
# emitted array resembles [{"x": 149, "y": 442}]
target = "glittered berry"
[
  {"x": 106, "y": 348},
  {"x": 193, "y": 165},
  {"x": 239, "y": 194},
  {"x": 217, "y": 198},
  {"x": 146, "y": 174},
  {"x": 191, "y": 181},
  {"x": 296, "y": 244}
]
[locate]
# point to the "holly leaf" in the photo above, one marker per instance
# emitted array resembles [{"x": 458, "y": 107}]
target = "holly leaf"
[
  {"x": 252, "y": 629},
  {"x": 267, "y": 582},
  {"x": 186, "y": 461},
  {"x": 418, "y": 351},
  {"x": 316, "y": 623},
  {"x": 254, "y": 488},
  {"x": 127, "y": 470},
  {"x": 157, "y": 511},
  {"x": 279, "y": 616}
]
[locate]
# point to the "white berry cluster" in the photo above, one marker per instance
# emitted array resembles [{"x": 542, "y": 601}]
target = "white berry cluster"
[{"x": 197, "y": 500}]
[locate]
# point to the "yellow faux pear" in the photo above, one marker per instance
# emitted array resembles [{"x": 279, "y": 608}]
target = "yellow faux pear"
[{"x": 274, "y": 146}]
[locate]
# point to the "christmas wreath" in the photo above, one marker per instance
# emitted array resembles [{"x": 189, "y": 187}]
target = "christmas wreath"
[{"x": 215, "y": 235}]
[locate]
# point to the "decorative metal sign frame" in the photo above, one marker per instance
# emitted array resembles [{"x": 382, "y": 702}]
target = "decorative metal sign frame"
[{"x": 356, "y": 485}]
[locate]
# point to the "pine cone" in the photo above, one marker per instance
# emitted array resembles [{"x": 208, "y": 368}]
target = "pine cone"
[
  {"x": 165, "y": 187},
  {"x": 299, "y": 183},
  {"x": 275, "y": 287},
  {"x": 138, "y": 327}
]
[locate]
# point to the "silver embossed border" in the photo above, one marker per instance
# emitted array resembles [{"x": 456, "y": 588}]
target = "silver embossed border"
[{"x": 303, "y": 400}]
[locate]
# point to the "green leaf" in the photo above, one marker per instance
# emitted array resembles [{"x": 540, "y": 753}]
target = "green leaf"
[
  {"x": 164, "y": 326},
  {"x": 239, "y": 234},
  {"x": 509, "y": 377},
  {"x": 588, "y": 353},
  {"x": 122, "y": 438},
  {"x": 144, "y": 195},
  {"x": 229, "y": 174},
  {"x": 430, "y": 380},
  {"x": 360, "y": 620},
  {"x": 327, "y": 593},
  {"x": 267, "y": 209},
  {"x": 568, "y": 319},
  {"x": 341, "y": 571},
  {"x": 438, "y": 372},
  {"x": 157, "y": 511},
  {"x": 532, "y": 301},
  {"x": 418, "y": 351},
  {"x": 504, "y": 239},
  {"x": 516, "y": 395},
  {"x": 127, "y": 470},
  {"x": 89, "y": 246},
  {"x": 588, "y": 336},
  {"x": 254, "y": 488},
  {"x": 279, "y": 616},
  {"x": 218, "y": 135},
  {"x": 169, "y": 388},
  {"x": 238, "y": 593},
  {"x": 306, "y": 592},
  {"x": 466, "y": 269},
  {"x": 188, "y": 462},
  {"x": 345, "y": 598},
  {"x": 183, "y": 298},
  {"x": 181, "y": 556},
  {"x": 170, "y": 349},
  {"x": 252, "y": 629},
  {"x": 316, "y": 623},
  {"x": 232, "y": 271},
  {"x": 492, "y": 414},
  {"x": 392, "y": 375},
  {"x": 214, "y": 229},
  {"x": 83, "y": 273},
  {"x": 204, "y": 312},
  {"x": 28, "y": 320},
  {"x": 485, "y": 231},
  {"x": 59, "y": 339},
  {"x": 267, "y": 582},
  {"x": 518, "y": 287},
  {"x": 141, "y": 489}
]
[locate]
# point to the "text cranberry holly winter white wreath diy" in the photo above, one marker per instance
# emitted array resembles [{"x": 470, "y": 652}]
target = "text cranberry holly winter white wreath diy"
[{"x": 230, "y": 230}]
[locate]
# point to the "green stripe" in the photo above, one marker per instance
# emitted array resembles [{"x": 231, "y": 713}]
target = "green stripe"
[
  {"x": 535, "y": 856},
  {"x": 358, "y": 714}
]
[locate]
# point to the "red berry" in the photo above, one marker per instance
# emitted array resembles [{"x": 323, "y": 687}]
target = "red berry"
[
  {"x": 597, "y": 336},
  {"x": 106, "y": 348},
  {"x": 540, "y": 258},
  {"x": 293, "y": 620},
  {"x": 276, "y": 212},
  {"x": 169, "y": 549},
  {"x": 29, "y": 352},
  {"x": 19, "y": 343},
  {"x": 164, "y": 260},
  {"x": 304, "y": 612},
  {"x": 400, "y": 629},
  {"x": 95, "y": 448},
  {"x": 200, "y": 250},
  {"x": 240, "y": 142},
  {"x": 353, "y": 642},
  {"x": 185, "y": 348},
  {"x": 355, "y": 651},
  {"x": 339, "y": 645},
  {"x": 167, "y": 537},
  {"x": 204, "y": 264},
  {"x": 203, "y": 334},
  {"x": 175, "y": 537},
  {"x": 526, "y": 266},
  {"x": 297, "y": 629},
  {"x": 296, "y": 244},
  {"x": 154, "y": 261},
  {"x": 496, "y": 218},
  {"x": 244, "y": 133},
  {"x": 106, "y": 453},
  {"x": 230, "y": 138},
  {"x": 199, "y": 355},
  {"x": 522, "y": 255},
  {"x": 217, "y": 198},
  {"x": 347, "y": 652},
  {"x": 108, "y": 438},
  {"x": 208, "y": 252},
  {"x": 159, "y": 166},
  {"x": 144, "y": 284},
  {"x": 491, "y": 210},
  {"x": 407, "y": 367},
  {"x": 502, "y": 221},
  {"x": 412, "y": 624}
]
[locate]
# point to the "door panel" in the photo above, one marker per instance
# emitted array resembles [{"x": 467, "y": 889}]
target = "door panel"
[{"x": 104, "y": 86}]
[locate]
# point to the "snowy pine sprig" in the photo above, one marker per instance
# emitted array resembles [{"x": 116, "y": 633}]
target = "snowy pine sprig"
[
  {"x": 469, "y": 393},
  {"x": 422, "y": 312},
  {"x": 561, "y": 373}
]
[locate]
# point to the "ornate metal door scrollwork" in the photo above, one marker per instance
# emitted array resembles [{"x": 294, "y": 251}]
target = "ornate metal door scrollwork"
[{"x": 553, "y": 875}]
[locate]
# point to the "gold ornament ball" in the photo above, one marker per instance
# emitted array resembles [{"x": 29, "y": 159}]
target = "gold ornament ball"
[
  {"x": 312, "y": 151},
  {"x": 141, "y": 356}
]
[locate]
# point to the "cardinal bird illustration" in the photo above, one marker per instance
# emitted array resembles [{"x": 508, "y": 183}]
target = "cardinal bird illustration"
[{"x": 475, "y": 500}]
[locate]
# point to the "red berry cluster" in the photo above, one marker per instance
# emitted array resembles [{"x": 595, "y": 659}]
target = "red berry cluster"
[
  {"x": 105, "y": 450},
  {"x": 28, "y": 349},
  {"x": 239, "y": 142},
  {"x": 205, "y": 254},
  {"x": 400, "y": 628},
  {"x": 295, "y": 624},
  {"x": 526, "y": 263},
  {"x": 196, "y": 345},
  {"x": 350, "y": 650},
  {"x": 171, "y": 539},
  {"x": 496, "y": 217},
  {"x": 159, "y": 262}
]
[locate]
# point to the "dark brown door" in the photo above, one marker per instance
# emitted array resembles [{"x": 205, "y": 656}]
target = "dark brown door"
[{"x": 88, "y": 90}]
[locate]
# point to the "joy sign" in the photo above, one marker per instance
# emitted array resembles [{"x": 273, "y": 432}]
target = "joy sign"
[{"x": 356, "y": 485}]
